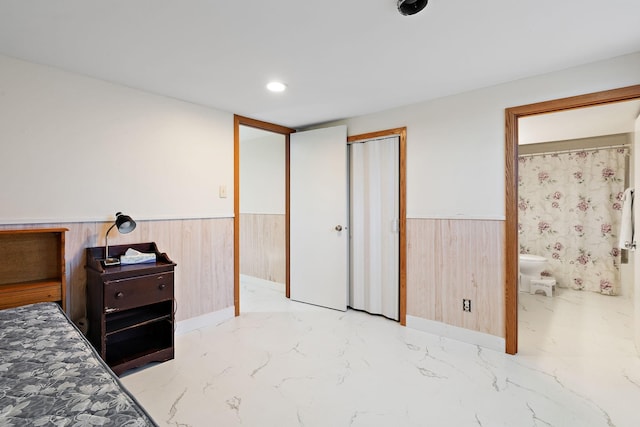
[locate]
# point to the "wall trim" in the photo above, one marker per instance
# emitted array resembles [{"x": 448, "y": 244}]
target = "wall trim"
[
  {"x": 260, "y": 282},
  {"x": 262, "y": 213},
  {"x": 110, "y": 218},
  {"x": 210, "y": 319},
  {"x": 468, "y": 336},
  {"x": 459, "y": 217}
]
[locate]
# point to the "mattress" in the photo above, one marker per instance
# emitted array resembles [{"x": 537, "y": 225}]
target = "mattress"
[{"x": 51, "y": 376}]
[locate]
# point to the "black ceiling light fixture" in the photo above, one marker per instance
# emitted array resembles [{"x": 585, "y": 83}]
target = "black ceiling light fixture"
[{"x": 411, "y": 7}]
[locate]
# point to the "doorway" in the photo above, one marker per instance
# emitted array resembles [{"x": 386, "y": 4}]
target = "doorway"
[
  {"x": 570, "y": 214},
  {"x": 401, "y": 134},
  {"x": 245, "y": 121},
  {"x": 511, "y": 188},
  {"x": 262, "y": 214},
  {"x": 248, "y": 123}
]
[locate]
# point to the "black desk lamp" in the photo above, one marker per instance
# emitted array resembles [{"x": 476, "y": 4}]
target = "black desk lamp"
[
  {"x": 125, "y": 225},
  {"x": 411, "y": 7}
]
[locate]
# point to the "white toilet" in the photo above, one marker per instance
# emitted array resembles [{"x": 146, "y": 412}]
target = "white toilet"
[{"x": 531, "y": 266}]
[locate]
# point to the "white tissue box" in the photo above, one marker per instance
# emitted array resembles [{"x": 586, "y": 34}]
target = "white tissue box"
[{"x": 135, "y": 257}]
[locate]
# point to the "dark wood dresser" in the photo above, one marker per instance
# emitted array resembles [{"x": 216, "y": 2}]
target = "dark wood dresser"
[{"x": 130, "y": 308}]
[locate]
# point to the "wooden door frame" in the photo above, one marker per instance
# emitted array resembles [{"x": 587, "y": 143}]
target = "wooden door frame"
[
  {"x": 402, "y": 134},
  {"x": 246, "y": 121},
  {"x": 511, "y": 188}
]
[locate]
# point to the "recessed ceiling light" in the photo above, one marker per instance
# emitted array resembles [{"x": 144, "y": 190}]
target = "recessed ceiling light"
[{"x": 276, "y": 86}]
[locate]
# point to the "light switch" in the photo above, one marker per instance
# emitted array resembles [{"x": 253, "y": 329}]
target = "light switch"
[{"x": 222, "y": 191}]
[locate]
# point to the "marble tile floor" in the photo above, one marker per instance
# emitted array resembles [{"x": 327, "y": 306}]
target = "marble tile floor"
[{"x": 283, "y": 363}]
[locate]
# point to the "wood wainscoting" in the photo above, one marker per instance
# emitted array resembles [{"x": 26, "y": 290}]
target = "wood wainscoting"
[
  {"x": 450, "y": 259},
  {"x": 202, "y": 248},
  {"x": 263, "y": 246}
]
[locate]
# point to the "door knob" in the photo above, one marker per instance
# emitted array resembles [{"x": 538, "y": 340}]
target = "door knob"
[{"x": 338, "y": 228}]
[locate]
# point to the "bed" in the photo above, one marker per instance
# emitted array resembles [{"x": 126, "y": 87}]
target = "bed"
[{"x": 51, "y": 376}]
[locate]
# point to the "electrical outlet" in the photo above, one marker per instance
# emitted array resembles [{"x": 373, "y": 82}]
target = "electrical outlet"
[{"x": 466, "y": 305}]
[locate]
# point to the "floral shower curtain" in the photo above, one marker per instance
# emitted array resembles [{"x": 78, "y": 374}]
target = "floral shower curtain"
[{"x": 569, "y": 212}]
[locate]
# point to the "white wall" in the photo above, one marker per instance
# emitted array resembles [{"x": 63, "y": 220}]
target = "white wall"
[
  {"x": 636, "y": 254},
  {"x": 262, "y": 174},
  {"x": 62, "y": 135},
  {"x": 79, "y": 149},
  {"x": 455, "y": 145},
  {"x": 56, "y": 127},
  {"x": 456, "y": 170}
]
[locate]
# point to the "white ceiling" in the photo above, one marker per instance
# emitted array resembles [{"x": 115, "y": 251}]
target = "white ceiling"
[{"x": 339, "y": 58}]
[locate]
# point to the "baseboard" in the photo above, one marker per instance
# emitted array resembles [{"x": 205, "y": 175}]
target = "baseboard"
[
  {"x": 209, "y": 319},
  {"x": 217, "y": 317},
  {"x": 454, "y": 332},
  {"x": 262, "y": 282}
]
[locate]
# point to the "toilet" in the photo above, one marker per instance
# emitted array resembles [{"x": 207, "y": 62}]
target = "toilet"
[{"x": 531, "y": 267}]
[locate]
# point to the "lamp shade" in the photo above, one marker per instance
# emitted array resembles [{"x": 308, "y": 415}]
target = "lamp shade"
[
  {"x": 125, "y": 223},
  {"x": 411, "y": 7}
]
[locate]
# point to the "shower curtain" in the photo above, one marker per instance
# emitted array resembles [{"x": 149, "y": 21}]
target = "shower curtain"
[
  {"x": 374, "y": 242},
  {"x": 569, "y": 212}
]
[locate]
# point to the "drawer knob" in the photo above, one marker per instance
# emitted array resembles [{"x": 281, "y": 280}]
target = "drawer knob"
[
  {"x": 161, "y": 286},
  {"x": 119, "y": 295}
]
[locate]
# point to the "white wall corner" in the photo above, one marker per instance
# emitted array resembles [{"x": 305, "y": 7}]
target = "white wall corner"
[{"x": 488, "y": 341}]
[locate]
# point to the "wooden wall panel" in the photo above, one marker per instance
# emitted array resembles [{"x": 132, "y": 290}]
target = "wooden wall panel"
[
  {"x": 202, "y": 248},
  {"x": 262, "y": 246},
  {"x": 448, "y": 260},
  {"x": 422, "y": 264}
]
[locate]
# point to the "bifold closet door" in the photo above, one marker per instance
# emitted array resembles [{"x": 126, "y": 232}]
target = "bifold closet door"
[{"x": 375, "y": 238}]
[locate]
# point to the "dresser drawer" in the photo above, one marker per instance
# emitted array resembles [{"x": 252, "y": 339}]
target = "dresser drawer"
[{"x": 137, "y": 291}]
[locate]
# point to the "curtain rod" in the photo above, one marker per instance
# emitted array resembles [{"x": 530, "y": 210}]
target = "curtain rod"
[{"x": 577, "y": 150}]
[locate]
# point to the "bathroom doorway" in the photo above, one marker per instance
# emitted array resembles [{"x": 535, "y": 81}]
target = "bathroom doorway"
[
  {"x": 512, "y": 116},
  {"x": 569, "y": 213}
]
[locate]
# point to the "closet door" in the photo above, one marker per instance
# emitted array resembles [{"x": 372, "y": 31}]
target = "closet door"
[
  {"x": 318, "y": 217},
  {"x": 375, "y": 235}
]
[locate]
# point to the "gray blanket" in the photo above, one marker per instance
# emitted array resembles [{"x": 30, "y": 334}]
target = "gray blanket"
[{"x": 51, "y": 376}]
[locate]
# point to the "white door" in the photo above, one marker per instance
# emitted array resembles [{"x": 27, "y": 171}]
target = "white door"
[{"x": 318, "y": 215}]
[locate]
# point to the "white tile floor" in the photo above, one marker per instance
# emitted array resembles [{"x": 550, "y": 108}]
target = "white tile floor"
[{"x": 289, "y": 364}]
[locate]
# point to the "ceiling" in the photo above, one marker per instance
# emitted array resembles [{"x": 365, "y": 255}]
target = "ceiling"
[{"x": 339, "y": 58}]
